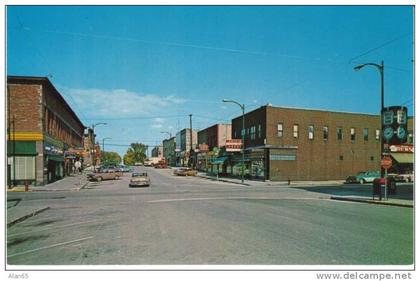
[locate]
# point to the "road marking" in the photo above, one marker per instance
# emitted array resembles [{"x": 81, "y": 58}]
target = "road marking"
[
  {"x": 231, "y": 198},
  {"x": 50, "y": 228},
  {"x": 49, "y": 247}
]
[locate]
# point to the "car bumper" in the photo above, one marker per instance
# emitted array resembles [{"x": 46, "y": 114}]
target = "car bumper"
[{"x": 139, "y": 184}]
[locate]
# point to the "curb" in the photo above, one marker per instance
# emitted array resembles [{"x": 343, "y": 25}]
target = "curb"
[
  {"x": 369, "y": 201},
  {"x": 222, "y": 180},
  {"x": 34, "y": 213}
]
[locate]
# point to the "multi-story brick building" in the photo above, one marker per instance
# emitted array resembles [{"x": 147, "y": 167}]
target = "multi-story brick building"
[
  {"x": 303, "y": 144},
  {"x": 209, "y": 139},
  {"x": 41, "y": 129},
  {"x": 215, "y": 136},
  {"x": 169, "y": 151}
]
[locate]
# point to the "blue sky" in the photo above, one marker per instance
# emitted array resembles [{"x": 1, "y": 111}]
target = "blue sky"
[{"x": 143, "y": 69}]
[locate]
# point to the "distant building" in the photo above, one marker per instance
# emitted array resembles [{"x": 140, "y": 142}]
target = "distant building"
[
  {"x": 184, "y": 147},
  {"x": 43, "y": 132},
  {"x": 88, "y": 139},
  {"x": 157, "y": 151},
  {"x": 304, "y": 144},
  {"x": 169, "y": 151}
]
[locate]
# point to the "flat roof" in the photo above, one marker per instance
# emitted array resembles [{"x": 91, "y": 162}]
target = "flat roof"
[{"x": 45, "y": 80}]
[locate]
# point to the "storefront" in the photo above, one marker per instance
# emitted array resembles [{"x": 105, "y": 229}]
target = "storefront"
[
  {"x": 21, "y": 162},
  {"x": 53, "y": 161}
]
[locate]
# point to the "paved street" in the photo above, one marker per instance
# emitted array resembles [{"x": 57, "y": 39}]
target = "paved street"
[{"x": 193, "y": 220}]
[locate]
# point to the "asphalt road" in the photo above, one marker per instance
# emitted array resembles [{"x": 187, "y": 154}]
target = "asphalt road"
[{"x": 191, "y": 220}]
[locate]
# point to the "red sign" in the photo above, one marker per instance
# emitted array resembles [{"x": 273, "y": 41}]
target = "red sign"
[
  {"x": 402, "y": 148},
  {"x": 234, "y": 145},
  {"x": 386, "y": 162}
]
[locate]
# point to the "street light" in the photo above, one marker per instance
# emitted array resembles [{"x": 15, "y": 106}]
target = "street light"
[
  {"x": 242, "y": 106},
  {"x": 380, "y": 67},
  {"x": 103, "y": 143},
  {"x": 93, "y": 139}
]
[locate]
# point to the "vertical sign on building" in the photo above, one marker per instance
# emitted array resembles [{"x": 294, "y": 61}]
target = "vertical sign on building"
[{"x": 394, "y": 125}]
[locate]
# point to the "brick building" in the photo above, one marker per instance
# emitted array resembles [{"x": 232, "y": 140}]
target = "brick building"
[
  {"x": 303, "y": 144},
  {"x": 42, "y": 131},
  {"x": 210, "y": 140}
]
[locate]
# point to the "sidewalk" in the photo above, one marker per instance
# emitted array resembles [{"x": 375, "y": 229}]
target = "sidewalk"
[
  {"x": 262, "y": 183},
  {"x": 69, "y": 183}
]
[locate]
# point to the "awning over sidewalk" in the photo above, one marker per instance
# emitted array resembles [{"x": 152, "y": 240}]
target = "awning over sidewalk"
[
  {"x": 219, "y": 160},
  {"x": 403, "y": 157}
]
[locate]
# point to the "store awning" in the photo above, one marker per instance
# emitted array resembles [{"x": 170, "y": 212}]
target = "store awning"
[
  {"x": 57, "y": 158},
  {"x": 403, "y": 157},
  {"x": 219, "y": 160}
]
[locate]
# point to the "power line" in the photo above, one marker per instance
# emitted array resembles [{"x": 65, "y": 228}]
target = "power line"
[{"x": 379, "y": 47}]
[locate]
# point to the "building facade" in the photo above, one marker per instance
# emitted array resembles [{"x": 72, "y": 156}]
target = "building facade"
[
  {"x": 43, "y": 134},
  {"x": 302, "y": 144},
  {"x": 184, "y": 146},
  {"x": 169, "y": 146},
  {"x": 88, "y": 143},
  {"x": 157, "y": 151}
]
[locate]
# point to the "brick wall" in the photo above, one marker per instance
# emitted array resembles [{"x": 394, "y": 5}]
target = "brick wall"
[{"x": 25, "y": 106}]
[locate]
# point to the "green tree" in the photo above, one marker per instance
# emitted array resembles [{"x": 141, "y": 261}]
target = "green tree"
[
  {"x": 135, "y": 154},
  {"x": 110, "y": 158}
]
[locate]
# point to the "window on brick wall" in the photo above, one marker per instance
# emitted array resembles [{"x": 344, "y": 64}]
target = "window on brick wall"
[
  {"x": 259, "y": 131},
  {"x": 311, "y": 132},
  {"x": 352, "y": 134},
  {"x": 365, "y": 134},
  {"x": 325, "y": 132},
  {"x": 339, "y": 133},
  {"x": 280, "y": 130},
  {"x": 377, "y": 135},
  {"x": 296, "y": 131}
]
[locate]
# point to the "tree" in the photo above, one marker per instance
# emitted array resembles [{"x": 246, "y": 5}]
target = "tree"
[
  {"x": 135, "y": 154},
  {"x": 110, "y": 158}
]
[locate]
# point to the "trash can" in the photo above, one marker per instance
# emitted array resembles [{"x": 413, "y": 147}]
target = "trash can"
[{"x": 377, "y": 188}]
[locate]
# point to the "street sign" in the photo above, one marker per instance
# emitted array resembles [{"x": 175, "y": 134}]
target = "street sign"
[
  {"x": 394, "y": 125},
  {"x": 386, "y": 162}
]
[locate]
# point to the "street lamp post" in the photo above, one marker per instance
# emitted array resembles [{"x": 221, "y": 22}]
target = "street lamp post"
[
  {"x": 103, "y": 143},
  {"x": 242, "y": 106},
  {"x": 380, "y": 67},
  {"x": 93, "y": 140}
]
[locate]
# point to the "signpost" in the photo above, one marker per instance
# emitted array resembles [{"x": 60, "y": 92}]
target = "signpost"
[{"x": 386, "y": 163}]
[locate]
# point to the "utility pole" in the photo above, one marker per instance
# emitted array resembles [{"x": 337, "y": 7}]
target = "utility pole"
[{"x": 191, "y": 142}]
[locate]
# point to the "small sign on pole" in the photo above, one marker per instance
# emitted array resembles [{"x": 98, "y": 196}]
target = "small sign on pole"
[{"x": 386, "y": 162}]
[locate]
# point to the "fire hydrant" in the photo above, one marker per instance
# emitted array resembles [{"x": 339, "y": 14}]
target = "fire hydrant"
[{"x": 26, "y": 185}]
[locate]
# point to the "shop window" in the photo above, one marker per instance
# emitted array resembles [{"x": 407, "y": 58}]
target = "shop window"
[
  {"x": 311, "y": 132},
  {"x": 339, "y": 133},
  {"x": 377, "y": 135},
  {"x": 325, "y": 132},
  {"x": 253, "y": 132},
  {"x": 365, "y": 134},
  {"x": 280, "y": 129},
  {"x": 259, "y": 131},
  {"x": 296, "y": 131},
  {"x": 352, "y": 134}
]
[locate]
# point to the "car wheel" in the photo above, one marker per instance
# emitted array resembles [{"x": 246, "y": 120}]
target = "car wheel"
[
  {"x": 408, "y": 179},
  {"x": 99, "y": 179},
  {"x": 362, "y": 181},
  {"x": 117, "y": 177}
]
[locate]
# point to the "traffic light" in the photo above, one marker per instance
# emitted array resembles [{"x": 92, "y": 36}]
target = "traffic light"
[{"x": 394, "y": 125}]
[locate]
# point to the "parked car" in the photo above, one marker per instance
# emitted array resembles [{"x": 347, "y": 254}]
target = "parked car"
[
  {"x": 407, "y": 177},
  {"x": 108, "y": 174},
  {"x": 125, "y": 169},
  {"x": 185, "y": 172},
  {"x": 139, "y": 179},
  {"x": 364, "y": 177}
]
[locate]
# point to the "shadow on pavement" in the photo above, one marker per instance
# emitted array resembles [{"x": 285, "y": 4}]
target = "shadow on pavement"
[{"x": 404, "y": 191}]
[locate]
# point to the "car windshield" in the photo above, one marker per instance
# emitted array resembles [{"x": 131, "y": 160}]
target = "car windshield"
[{"x": 134, "y": 175}]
